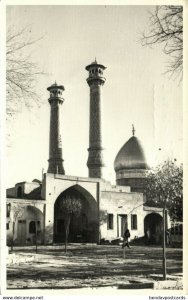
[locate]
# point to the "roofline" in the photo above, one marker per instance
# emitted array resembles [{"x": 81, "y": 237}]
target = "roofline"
[
  {"x": 29, "y": 182},
  {"x": 24, "y": 200},
  {"x": 152, "y": 208},
  {"x": 94, "y": 64},
  {"x": 61, "y": 87}
]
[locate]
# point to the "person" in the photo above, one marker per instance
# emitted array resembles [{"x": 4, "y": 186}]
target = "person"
[
  {"x": 147, "y": 237},
  {"x": 168, "y": 237},
  {"x": 126, "y": 237}
]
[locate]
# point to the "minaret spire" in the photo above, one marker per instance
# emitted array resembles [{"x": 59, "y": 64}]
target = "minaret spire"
[
  {"x": 95, "y": 81},
  {"x": 55, "y": 147},
  {"x": 133, "y": 129}
]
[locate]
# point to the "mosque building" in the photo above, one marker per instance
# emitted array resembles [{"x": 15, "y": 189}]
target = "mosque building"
[{"x": 107, "y": 210}]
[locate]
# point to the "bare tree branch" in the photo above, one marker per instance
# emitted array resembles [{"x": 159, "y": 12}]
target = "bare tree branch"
[
  {"x": 166, "y": 27},
  {"x": 22, "y": 72}
]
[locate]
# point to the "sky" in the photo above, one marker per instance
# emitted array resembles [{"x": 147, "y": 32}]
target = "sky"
[{"x": 136, "y": 90}]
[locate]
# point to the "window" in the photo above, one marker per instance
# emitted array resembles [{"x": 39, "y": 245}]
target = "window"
[
  {"x": 110, "y": 221},
  {"x": 32, "y": 227},
  {"x": 38, "y": 226},
  {"x": 133, "y": 222},
  {"x": 8, "y": 210},
  {"x": 7, "y": 226}
]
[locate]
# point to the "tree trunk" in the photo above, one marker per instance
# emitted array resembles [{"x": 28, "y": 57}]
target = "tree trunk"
[{"x": 67, "y": 225}]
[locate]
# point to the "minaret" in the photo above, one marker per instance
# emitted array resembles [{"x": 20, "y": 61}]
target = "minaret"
[
  {"x": 95, "y": 82},
  {"x": 55, "y": 147}
]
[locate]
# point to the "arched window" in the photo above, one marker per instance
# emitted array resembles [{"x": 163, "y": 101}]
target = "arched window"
[
  {"x": 8, "y": 210},
  {"x": 32, "y": 227},
  {"x": 19, "y": 192}
]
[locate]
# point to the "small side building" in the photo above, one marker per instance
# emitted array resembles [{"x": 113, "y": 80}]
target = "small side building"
[{"x": 106, "y": 211}]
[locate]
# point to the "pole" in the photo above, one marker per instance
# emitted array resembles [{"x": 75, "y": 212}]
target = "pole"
[
  {"x": 36, "y": 235},
  {"x": 164, "y": 242}
]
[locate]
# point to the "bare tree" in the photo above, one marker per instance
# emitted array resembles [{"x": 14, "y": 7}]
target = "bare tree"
[
  {"x": 21, "y": 71},
  {"x": 166, "y": 28},
  {"x": 69, "y": 206},
  {"x": 165, "y": 189}
]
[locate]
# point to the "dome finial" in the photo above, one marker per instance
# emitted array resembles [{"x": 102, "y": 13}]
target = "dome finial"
[{"x": 133, "y": 129}]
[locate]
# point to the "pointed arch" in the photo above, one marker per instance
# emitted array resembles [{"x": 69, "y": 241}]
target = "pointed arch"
[
  {"x": 83, "y": 227},
  {"x": 153, "y": 228},
  {"x": 26, "y": 225}
]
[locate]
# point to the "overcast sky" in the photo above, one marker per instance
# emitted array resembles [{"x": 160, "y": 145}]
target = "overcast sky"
[{"x": 136, "y": 90}]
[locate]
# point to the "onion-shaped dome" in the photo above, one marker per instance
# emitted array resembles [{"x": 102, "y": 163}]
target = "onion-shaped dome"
[{"x": 131, "y": 156}]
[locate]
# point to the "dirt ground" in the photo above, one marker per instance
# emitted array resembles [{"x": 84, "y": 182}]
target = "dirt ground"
[{"x": 89, "y": 265}]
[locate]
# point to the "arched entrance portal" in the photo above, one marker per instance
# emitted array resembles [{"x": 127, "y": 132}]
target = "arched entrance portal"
[
  {"x": 153, "y": 226},
  {"x": 83, "y": 226},
  {"x": 29, "y": 226}
]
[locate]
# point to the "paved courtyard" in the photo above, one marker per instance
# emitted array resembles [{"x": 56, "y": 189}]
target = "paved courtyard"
[{"x": 89, "y": 266}]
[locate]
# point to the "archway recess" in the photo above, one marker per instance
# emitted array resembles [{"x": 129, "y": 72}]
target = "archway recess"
[
  {"x": 153, "y": 228},
  {"x": 83, "y": 226},
  {"x": 29, "y": 226}
]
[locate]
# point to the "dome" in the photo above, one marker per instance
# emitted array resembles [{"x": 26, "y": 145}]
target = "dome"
[{"x": 130, "y": 156}]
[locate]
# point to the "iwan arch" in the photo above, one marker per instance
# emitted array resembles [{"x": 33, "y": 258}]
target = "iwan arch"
[{"x": 106, "y": 210}]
